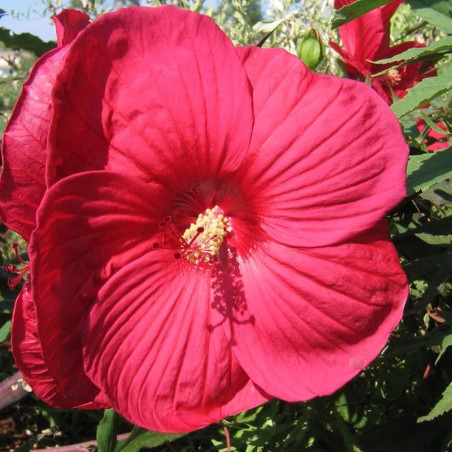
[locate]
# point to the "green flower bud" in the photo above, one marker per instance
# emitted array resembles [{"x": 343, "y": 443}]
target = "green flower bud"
[{"x": 311, "y": 49}]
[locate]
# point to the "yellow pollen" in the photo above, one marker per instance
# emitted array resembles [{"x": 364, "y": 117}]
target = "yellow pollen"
[
  {"x": 203, "y": 239},
  {"x": 394, "y": 77}
]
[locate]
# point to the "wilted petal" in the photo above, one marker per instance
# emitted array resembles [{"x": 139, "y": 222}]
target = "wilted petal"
[
  {"x": 29, "y": 359},
  {"x": 316, "y": 317},
  {"x": 151, "y": 344},
  {"x": 321, "y": 168},
  {"x": 161, "y": 98},
  {"x": 89, "y": 226}
]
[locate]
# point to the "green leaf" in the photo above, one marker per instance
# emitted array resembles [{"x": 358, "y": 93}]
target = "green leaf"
[
  {"x": 5, "y": 330},
  {"x": 423, "y": 92},
  {"x": 25, "y": 41},
  {"x": 444, "y": 405},
  {"x": 435, "y": 239},
  {"x": 438, "y": 48},
  {"x": 436, "y": 12},
  {"x": 439, "y": 194},
  {"x": 445, "y": 343},
  {"x": 358, "y": 8},
  {"x": 106, "y": 432},
  {"x": 140, "y": 438},
  {"x": 425, "y": 170},
  {"x": 398, "y": 347}
]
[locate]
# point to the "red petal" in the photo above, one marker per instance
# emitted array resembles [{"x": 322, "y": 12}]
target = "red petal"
[
  {"x": 89, "y": 226},
  {"x": 24, "y": 142},
  {"x": 149, "y": 345},
  {"x": 29, "y": 358},
  {"x": 328, "y": 157},
  {"x": 68, "y": 24},
  {"x": 161, "y": 97},
  {"x": 316, "y": 317},
  {"x": 24, "y": 146}
]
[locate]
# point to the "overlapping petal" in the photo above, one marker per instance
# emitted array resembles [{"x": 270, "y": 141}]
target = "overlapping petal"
[
  {"x": 30, "y": 361},
  {"x": 322, "y": 169},
  {"x": 161, "y": 105},
  {"x": 89, "y": 226},
  {"x": 313, "y": 325},
  {"x": 365, "y": 36},
  {"x": 153, "y": 345},
  {"x": 24, "y": 144}
]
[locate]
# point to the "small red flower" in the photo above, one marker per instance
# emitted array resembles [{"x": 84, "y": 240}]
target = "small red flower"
[
  {"x": 367, "y": 39},
  {"x": 434, "y": 140},
  {"x": 210, "y": 234}
]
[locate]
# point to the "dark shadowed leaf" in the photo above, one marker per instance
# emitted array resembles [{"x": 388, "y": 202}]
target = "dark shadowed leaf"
[{"x": 25, "y": 41}]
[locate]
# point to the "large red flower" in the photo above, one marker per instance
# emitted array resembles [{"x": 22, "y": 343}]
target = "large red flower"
[
  {"x": 211, "y": 234},
  {"x": 367, "y": 39}
]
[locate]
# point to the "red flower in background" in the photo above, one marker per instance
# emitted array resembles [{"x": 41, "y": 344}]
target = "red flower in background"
[
  {"x": 367, "y": 39},
  {"x": 434, "y": 140},
  {"x": 206, "y": 239}
]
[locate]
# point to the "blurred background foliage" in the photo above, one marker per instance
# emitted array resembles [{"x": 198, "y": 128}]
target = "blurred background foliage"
[{"x": 403, "y": 401}]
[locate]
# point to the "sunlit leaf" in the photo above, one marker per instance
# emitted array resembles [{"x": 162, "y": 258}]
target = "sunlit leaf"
[
  {"x": 106, "y": 432},
  {"x": 358, "y": 8},
  {"x": 436, "y": 12},
  {"x": 445, "y": 343},
  {"x": 436, "y": 49},
  {"x": 5, "y": 330},
  {"x": 424, "y": 92},
  {"x": 141, "y": 438},
  {"x": 444, "y": 405},
  {"x": 427, "y": 169}
]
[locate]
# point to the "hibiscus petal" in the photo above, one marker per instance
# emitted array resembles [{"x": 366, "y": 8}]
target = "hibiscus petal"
[
  {"x": 148, "y": 344},
  {"x": 89, "y": 226},
  {"x": 316, "y": 317},
  {"x": 161, "y": 99},
  {"x": 29, "y": 358},
  {"x": 68, "y": 25},
  {"x": 328, "y": 157},
  {"x": 364, "y": 36},
  {"x": 25, "y": 138}
]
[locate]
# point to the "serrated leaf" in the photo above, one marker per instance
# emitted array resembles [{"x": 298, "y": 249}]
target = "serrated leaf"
[
  {"x": 435, "y": 239},
  {"x": 444, "y": 405},
  {"x": 358, "y": 8},
  {"x": 439, "y": 194},
  {"x": 106, "y": 432},
  {"x": 436, "y": 12},
  {"x": 425, "y": 170},
  {"x": 25, "y": 41},
  {"x": 5, "y": 330},
  {"x": 423, "y": 92},
  {"x": 141, "y": 438},
  {"x": 443, "y": 46}
]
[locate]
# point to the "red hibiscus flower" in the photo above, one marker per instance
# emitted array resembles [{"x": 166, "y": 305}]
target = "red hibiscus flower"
[
  {"x": 434, "y": 140},
  {"x": 367, "y": 39},
  {"x": 210, "y": 232}
]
